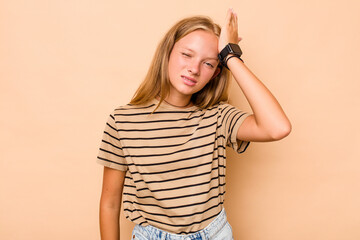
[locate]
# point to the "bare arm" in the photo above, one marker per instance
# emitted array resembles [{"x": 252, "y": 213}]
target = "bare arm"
[
  {"x": 110, "y": 203},
  {"x": 268, "y": 121}
]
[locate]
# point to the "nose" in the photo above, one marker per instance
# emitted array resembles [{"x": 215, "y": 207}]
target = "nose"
[{"x": 194, "y": 67}]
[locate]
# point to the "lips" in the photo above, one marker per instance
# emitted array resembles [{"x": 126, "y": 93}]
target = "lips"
[{"x": 189, "y": 80}]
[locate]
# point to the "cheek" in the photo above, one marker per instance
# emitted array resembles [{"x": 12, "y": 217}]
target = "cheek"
[
  {"x": 171, "y": 67},
  {"x": 205, "y": 79},
  {"x": 209, "y": 73},
  {"x": 175, "y": 64}
]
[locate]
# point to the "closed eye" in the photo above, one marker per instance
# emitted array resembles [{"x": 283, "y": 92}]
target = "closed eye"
[
  {"x": 186, "y": 55},
  {"x": 209, "y": 64}
]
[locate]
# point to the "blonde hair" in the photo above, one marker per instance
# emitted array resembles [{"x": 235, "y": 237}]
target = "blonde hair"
[{"x": 157, "y": 83}]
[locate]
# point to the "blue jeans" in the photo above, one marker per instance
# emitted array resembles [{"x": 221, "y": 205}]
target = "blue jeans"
[{"x": 218, "y": 229}]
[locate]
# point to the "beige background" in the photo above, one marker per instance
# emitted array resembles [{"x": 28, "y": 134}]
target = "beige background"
[{"x": 64, "y": 66}]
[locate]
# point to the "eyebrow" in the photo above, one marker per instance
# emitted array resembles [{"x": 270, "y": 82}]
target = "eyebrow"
[{"x": 212, "y": 58}]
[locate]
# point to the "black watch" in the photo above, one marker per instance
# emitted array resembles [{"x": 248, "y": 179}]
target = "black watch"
[{"x": 231, "y": 48}]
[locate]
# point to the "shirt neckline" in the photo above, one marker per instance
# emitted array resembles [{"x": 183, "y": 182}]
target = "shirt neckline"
[{"x": 169, "y": 106}]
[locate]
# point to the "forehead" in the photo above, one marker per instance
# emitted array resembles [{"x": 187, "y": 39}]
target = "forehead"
[{"x": 200, "y": 41}]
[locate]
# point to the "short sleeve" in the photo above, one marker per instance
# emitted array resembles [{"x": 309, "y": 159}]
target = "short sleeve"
[
  {"x": 110, "y": 152},
  {"x": 232, "y": 118}
]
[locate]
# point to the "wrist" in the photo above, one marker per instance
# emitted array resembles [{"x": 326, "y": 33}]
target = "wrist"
[
  {"x": 231, "y": 50},
  {"x": 228, "y": 56},
  {"x": 231, "y": 57}
]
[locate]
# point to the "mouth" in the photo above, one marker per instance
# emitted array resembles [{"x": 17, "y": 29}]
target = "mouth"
[{"x": 189, "y": 80}]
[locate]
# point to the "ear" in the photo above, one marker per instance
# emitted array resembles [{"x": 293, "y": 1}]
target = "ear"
[{"x": 217, "y": 72}]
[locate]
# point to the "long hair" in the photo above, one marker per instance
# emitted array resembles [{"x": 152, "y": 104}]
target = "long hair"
[{"x": 157, "y": 83}]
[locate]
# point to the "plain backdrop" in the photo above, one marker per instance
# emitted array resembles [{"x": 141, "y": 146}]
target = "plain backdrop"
[{"x": 65, "y": 65}]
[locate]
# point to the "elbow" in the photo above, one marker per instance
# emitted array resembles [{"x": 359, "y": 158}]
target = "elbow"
[
  {"x": 281, "y": 131},
  {"x": 110, "y": 205},
  {"x": 110, "y": 202}
]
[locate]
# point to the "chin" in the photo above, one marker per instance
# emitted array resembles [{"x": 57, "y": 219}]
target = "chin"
[{"x": 186, "y": 92}]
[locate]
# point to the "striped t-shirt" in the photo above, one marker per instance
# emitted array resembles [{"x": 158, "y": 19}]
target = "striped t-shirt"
[{"x": 174, "y": 159}]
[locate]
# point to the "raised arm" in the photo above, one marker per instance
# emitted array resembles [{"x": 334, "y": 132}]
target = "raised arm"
[
  {"x": 268, "y": 121},
  {"x": 110, "y": 203}
]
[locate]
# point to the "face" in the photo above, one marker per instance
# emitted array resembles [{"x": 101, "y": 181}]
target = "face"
[{"x": 193, "y": 63}]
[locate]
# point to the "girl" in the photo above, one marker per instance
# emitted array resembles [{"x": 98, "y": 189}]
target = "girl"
[{"x": 164, "y": 152}]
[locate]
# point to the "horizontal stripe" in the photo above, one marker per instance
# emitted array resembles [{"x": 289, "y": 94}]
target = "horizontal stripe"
[
  {"x": 171, "y": 153},
  {"x": 182, "y": 225},
  {"x": 177, "y": 197},
  {"x": 174, "y": 216},
  {"x": 112, "y": 145},
  {"x": 176, "y": 188},
  {"x": 134, "y": 219},
  {"x": 166, "y": 128},
  {"x": 142, "y": 223},
  {"x": 107, "y": 160},
  {"x": 156, "y": 129},
  {"x": 112, "y": 153},
  {"x": 168, "y": 120},
  {"x": 178, "y": 160},
  {"x": 180, "y": 206},
  {"x": 175, "y": 170},
  {"x": 134, "y": 108},
  {"x": 149, "y": 113},
  {"x": 178, "y": 178},
  {"x": 113, "y": 128},
  {"x": 155, "y": 138},
  {"x": 164, "y": 137},
  {"x": 113, "y": 137},
  {"x": 176, "y": 145}
]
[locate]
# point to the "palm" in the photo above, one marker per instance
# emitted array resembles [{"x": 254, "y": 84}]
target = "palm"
[{"x": 229, "y": 30}]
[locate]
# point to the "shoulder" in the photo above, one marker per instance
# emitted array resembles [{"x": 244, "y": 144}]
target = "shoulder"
[
  {"x": 129, "y": 109},
  {"x": 223, "y": 104},
  {"x": 220, "y": 107}
]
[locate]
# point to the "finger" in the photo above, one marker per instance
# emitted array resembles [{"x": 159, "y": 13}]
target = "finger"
[
  {"x": 228, "y": 16},
  {"x": 239, "y": 39},
  {"x": 231, "y": 17},
  {"x": 235, "y": 20}
]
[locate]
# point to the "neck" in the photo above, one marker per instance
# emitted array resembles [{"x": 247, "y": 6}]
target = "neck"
[
  {"x": 182, "y": 103},
  {"x": 182, "y": 106}
]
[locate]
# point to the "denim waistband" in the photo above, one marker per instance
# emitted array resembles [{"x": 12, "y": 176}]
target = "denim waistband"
[{"x": 206, "y": 233}]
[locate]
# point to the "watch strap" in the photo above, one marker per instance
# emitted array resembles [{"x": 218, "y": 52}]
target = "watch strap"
[
  {"x": 230, "y": 48},
  {"x": 225, "y": 65}
]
